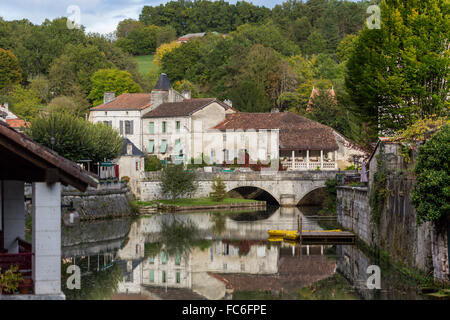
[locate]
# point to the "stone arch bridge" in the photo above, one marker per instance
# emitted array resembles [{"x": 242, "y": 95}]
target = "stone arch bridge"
[{"x": 288, "y": 188}]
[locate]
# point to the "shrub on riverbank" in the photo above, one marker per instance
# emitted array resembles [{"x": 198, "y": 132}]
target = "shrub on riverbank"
[{"x": 176, "y": 182}]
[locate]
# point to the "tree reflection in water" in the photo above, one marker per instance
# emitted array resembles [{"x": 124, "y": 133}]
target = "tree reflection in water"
[{"x": 178, "y": 236}]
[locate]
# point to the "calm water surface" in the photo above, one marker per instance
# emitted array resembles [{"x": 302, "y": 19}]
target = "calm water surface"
[{"x": 220, "y": 255}]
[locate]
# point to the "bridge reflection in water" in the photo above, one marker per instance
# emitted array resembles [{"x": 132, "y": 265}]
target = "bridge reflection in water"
[{"x": 229, "y": 256}]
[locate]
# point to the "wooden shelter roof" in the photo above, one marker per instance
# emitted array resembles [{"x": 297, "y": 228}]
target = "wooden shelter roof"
[{"x": 23, "y": 159}]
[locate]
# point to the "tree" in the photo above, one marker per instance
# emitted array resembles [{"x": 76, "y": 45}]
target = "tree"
[
  {"x": 26, "y": 103},
  {"x": 77, "y": 106},
  {"x": 163, "y": 49},
  {"x": 75, "y": 138},
  {"x": 10, "y": 71},
  {"x": 396, "y": 74},
  {"x": 248, "y": 96},
  {"x": 152, "y": 163},
  {"x": 186, "y": 85},
  {"x": 176, "y": 182},
  {"x": 71, "y": 73},
  {"x": 111, "y": 80},
  {"x": 218, "y": 190},
  {"x": 315, "y": 44},
  {"x": 431, "y": 193}
]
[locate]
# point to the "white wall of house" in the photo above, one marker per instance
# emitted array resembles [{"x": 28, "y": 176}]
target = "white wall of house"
[
  {"x": 346, "y": 151},
  {"x": 261, "y": 145},
  {"x": 114, "y": 118},
  {"x": 131, "y": 166},
  {"x": 170, "y": 136}
]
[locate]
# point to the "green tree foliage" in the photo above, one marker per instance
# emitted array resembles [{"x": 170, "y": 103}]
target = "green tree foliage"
[
  {"x": 152, "y": 163},
  {"x": 176, "y": 182},
  {"x": 76, "y": 138},
  {"x": 26, "y": 103},
  {"x": 431, "y": 193},
  {"x": 77, "y": 106},
  {"x": 136, "y": 38},
  {"x": 186, "y": 85},
  {"x": 398, "y": 74},
  {"x": 315, "y": 44},
  {"x": 71, "y": 73},
  {"x": 218, "y": 190},
  {"x": 200, "y": 16},
  {"x": 36, "y": 46},
  {"x": 10, "y": 72},
  {"x": 111, "y": 80}
]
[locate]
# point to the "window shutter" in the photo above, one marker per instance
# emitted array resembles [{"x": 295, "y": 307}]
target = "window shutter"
[
  {"x": 131, "y": 126},
  {"x": 121, "y": 127}
]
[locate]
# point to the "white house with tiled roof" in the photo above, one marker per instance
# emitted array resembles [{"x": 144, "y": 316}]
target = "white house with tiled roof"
[
  {"x": 173, "y": 126},
  {"x": 160, "y": 122}
]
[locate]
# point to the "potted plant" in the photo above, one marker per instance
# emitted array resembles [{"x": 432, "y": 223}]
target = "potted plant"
[{"x": 9, "y": 281}]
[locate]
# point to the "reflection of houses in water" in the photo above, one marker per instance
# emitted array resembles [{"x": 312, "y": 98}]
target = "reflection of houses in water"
[{"x": 196, "y": 270}]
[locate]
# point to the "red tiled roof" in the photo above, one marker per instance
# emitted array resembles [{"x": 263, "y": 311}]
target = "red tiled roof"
[
  {"x": 17, "y": 123},
  {"x": 127, "y": 101},
  {"x": 296, "y": 132},
  {"x": 182, "y": 108}
]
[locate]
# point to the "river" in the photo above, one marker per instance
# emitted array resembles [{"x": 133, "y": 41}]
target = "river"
[{"x": 221, "y": 255}]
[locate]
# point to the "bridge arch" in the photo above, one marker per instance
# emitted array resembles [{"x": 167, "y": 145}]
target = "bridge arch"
[
  {"x": 314, "y": 197},
  {"x": 253, "y": 192}
]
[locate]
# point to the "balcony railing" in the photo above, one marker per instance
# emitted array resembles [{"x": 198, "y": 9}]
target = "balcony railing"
[
  {"x": 23, "y": 260},
  {"x": 312, "y": 165}
]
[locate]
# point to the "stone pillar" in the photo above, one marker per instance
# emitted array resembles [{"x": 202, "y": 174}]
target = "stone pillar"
[
  {"x": 287, "y": 200},
  {"x": 307, "y": 159},
  {"x": 335, "y": 160},
  {"x": 293, "y": 160},
  {"x": 14, "y": 214},
  {"x": 321, "y": 159},
  {"x": 47, "y": 238}
]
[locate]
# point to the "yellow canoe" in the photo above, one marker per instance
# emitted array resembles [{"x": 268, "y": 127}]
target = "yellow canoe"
[
  {"x": 275, "y": 239},
  {"x": 280, "y": 233}
]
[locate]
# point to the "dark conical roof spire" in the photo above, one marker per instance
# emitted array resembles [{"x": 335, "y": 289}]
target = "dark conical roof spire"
[{"x": 163, "y": 83}]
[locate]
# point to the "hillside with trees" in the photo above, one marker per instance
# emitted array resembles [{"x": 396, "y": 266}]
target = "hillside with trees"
[{"x": 259, "y": 58}]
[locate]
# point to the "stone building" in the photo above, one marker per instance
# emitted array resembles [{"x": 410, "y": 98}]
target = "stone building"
[{"x": 175, "y": 127}]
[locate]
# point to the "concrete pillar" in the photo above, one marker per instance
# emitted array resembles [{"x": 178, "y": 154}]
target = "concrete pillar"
[
  {"x": 47, "y": 238},
  {"x": 307, "y": 249},
  {"x": 321, "y": 159},
  {"x": 293, "y": 159},
  {"x": 14, "y": 214}
]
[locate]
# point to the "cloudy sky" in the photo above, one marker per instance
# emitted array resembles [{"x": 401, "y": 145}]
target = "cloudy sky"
[{"x": 96, "y": 15}]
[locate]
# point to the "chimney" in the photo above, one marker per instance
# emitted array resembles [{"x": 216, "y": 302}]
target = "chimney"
[
  {"x": 274, "y": 110},
  {"x": 108, "y": 97},
  {"x": 228, "y": 102},
  {"x": 186, "y": 94}
]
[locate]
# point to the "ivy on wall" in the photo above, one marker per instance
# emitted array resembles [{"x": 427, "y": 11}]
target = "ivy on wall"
[
  {"x": 431, "y": 193},
  {"x": 379, "y": 192}
]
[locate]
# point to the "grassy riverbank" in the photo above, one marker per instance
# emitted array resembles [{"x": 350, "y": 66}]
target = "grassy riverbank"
[{"x": 195, "y": 202}]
